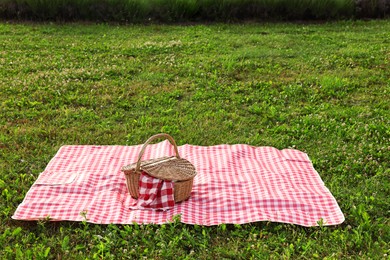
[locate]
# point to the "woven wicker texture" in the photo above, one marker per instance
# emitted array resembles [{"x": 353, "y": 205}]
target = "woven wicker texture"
[
  {"x": 172, "y": 168},
  {"x": 165, "y": 168}
]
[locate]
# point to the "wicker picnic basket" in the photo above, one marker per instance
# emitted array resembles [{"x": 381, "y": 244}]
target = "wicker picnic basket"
[{"x": 173, "y": 168}]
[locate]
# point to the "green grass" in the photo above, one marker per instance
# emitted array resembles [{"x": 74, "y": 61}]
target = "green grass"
[
  {"x": 170, "y": 11},
  {"x": 321, "y": 88},
  {"x": 188, "y": 10}
]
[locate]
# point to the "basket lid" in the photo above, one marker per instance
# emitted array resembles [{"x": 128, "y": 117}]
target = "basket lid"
[{"x": 165, "y": 168}]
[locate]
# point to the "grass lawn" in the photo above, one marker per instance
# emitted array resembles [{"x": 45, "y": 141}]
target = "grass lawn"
[{"x": 321, "y": 88}]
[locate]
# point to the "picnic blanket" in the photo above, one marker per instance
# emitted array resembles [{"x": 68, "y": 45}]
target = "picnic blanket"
[{"x": 235, "y": 184}]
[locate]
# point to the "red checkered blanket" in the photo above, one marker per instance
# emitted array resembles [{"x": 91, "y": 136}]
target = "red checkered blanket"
[
  {"x": 154, "y": 194},
  {"x": 235, "y": 184}
]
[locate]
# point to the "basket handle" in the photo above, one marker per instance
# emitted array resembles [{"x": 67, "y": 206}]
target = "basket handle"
[{"x": 141, "y": 153}]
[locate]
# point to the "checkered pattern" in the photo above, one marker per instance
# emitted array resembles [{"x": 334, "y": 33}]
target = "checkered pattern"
[
  {"x": 154, "y": 194},
  {"x": 235, "y": 184}
]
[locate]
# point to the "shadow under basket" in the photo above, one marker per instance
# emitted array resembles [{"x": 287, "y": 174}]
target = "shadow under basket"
[{"x": 172, "y": 168}]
